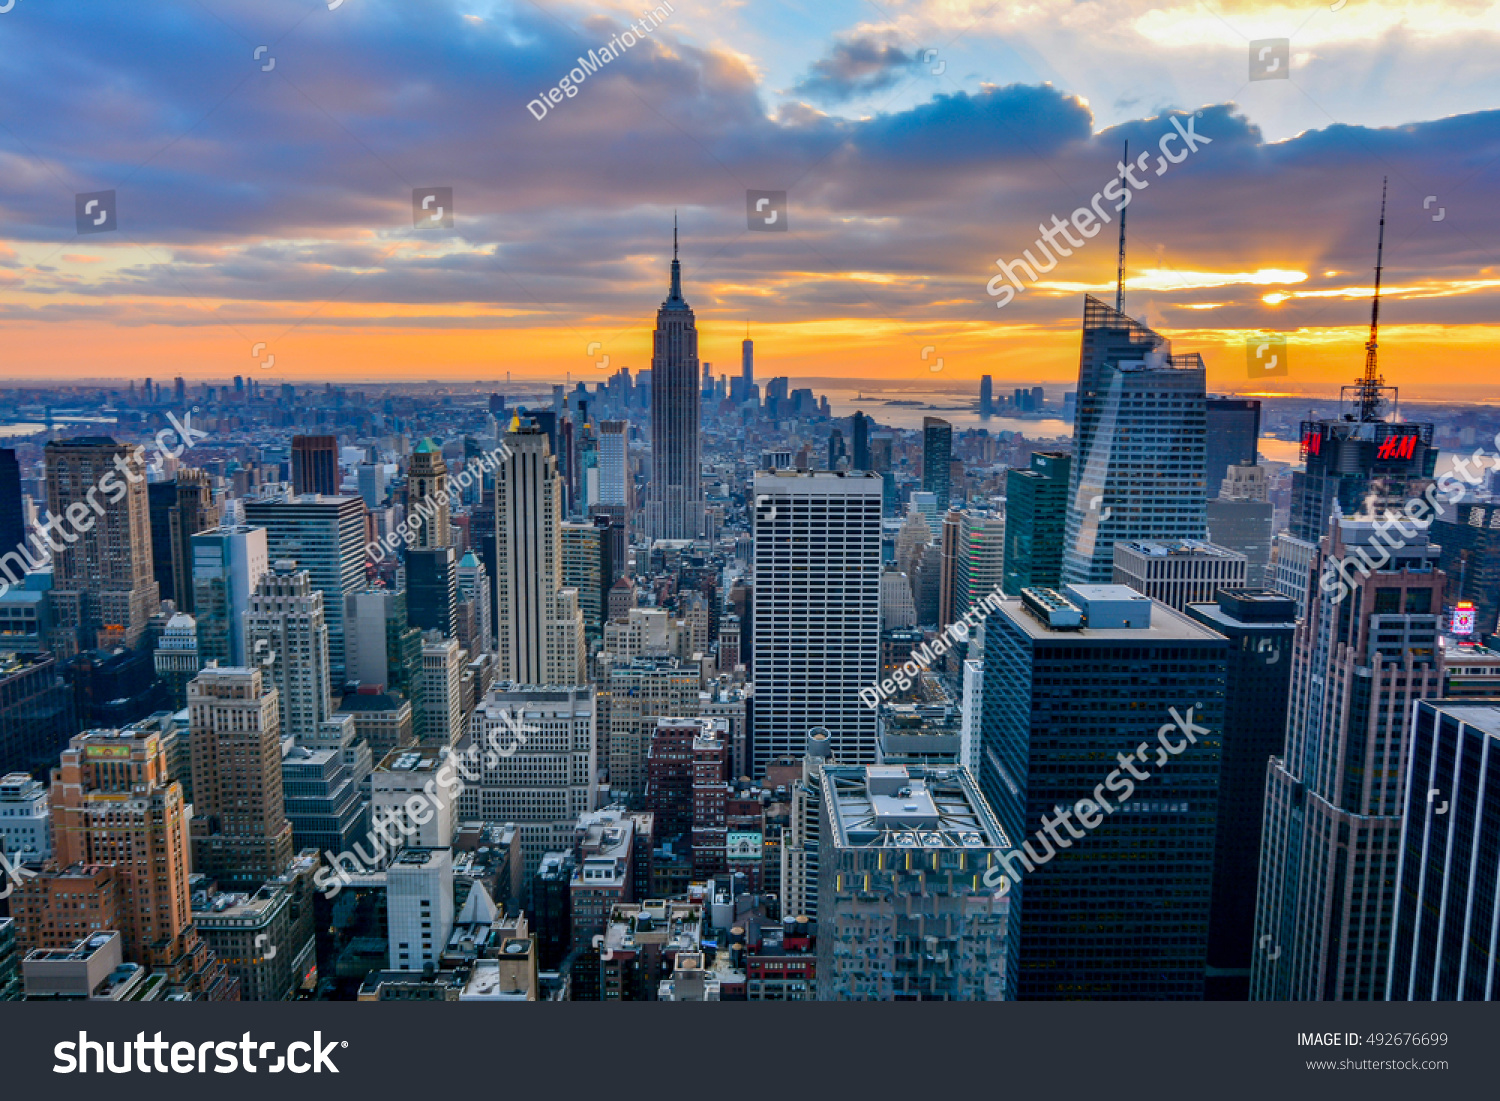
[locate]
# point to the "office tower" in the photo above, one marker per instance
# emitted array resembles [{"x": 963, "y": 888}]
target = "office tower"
[
  {"x": 227, "y": 565},
  {"x": 432, "y": 589},
  {"x": 838, "y": 453},
  {"x": 898, "y": 608},
  {"x": 176, "y": 659},
  {"x": 1241, "y": 518},
  {"x": 241, "y": 928},
  {"x": 674, "y": 772},
  {"x": 419, "y": 908},
  {"x": 240, "y": 831},
  {"x": 1366, "y": 466},
  {"x": 537, "y": 761},
  {"x": 747, "y": 369},
  {"x": 915, "y": 534},
  {"x": 986, "y": 395},
  {"x": 614, "y": 467},
  {"x": 161, "y": 498},
  {"x": 638, "y": 693},
  {"x": 1259, "y": 624},
  {"x": 948, "y": 572},
  {"x": 880, "y": 462},
  {"x": 326, "y": 537},
  {"x": 1365, "y": 652},
  {"x": 427, "y": 497},
  {"x": 925, "y": 505},
  {"x": 926, "y": 583},
  {"x": 1445, "y": 922},
  {"x": 1138, "y": 445},
  {"x": 1233, "y": 438},
  {"x": 315, "y": 465},
  {"x": 903, "y": 910},
  {"x": 323, "y": 798},
  {"x": 387, "y": 649},
  {"x": 401, "y": 777},
  {"x": 1179, "y": 573},
  {"x": 192, "y": 511},
  {"x": 12, "y": 506},
  {"x": 979, "y": 559},
  {"x": 1469, "y": 533},
  {"x": 475, "y": 629},
  {"x": 817, "y": 611},
  {"x": 37, "y": 713},
  {"x": 1074, "y": 683},
  {"x": 113, "y": 804},
  {"x": 1291, "y": 568},
  {"x": 799, "y": 850},
  {"x": 584, "y": 562},
  {"x": 441, "y": 691},
  {"x": 286, "y": 638},
  {"x": 970, "y": 732},
  {"x": 102, "y": 577},
  {"x": 536, "y": 618},
  {"x": 371, "y": 479},
  {"x": 674, "y": 501},
  {"x": 859, "y": 430},
  {"x": 937, "y": 459}
]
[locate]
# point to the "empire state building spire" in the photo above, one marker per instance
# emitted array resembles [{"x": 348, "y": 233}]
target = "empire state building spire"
[
  {"x": 674, "y": 296},
  {"x": 674, "y": 499}
]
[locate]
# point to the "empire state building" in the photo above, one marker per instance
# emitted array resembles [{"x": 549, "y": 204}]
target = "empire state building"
[{"x": 674, "y": 501}]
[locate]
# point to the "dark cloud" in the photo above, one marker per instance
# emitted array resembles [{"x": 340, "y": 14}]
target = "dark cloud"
[
  {"x": 855, "y": 67},
  {"x": 295, "y": 184}
]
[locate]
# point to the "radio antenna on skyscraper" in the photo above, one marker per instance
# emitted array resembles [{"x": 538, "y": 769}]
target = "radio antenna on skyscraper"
[
  {"x": 1120, "y": 274},
  {"x": 1371, "y": 384}
]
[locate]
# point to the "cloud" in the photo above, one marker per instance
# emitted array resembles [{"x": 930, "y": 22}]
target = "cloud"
[{"x": 855, "y": 67}]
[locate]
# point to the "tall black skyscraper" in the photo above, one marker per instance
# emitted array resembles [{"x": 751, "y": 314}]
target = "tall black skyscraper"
[
  {"x": 1259, "y": 625},
  {"x": 859, "y": 459},
  {"x": 674, "y": 501},
  {"x": 315, "y": 465},
  {"x": 1233, "y": 439},
  {"x": 1036, "y": 508},
  {"x": 12, "y": 516},
  {"x": 937, "y": 459}
]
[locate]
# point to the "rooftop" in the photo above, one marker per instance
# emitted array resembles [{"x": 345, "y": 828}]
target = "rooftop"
[{"x": 908, "y": 807}]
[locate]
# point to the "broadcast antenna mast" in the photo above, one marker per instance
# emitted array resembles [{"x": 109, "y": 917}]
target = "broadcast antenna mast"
[
  {"x": 1120, "y": 273},
  {"x": 1371, "y": 384}
]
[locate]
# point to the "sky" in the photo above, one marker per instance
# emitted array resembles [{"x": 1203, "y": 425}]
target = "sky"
[{"x": 263, "y": 156}]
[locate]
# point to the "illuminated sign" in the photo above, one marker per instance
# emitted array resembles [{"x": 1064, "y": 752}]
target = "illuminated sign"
[
  {"x": 1397, "y": 447},
  {"x": 1464, "y": 618},
  {"x": 96, "y": 750},
  {"x": 1312, "y": 443},
  {"x": 744, "y": 845}
]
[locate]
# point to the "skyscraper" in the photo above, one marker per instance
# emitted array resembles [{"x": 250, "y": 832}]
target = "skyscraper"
[
  {"x": 287, "y": 640},
  {"x": 113, "y": 803},
  {"x": 1259, "y": 625},
  {"x": 817, "y": 611},
  {"x": 528, "y": 562},
  {"x": 326, "y": 537},
  {"x": 227, "y": 565},
  {"x": 986, "y": 395},
  {"x": 747, "y": 367},
  {"x": 103, "y": 576},
  {"x": 12, "y": 512},
  {"x": 979, "y": 558},
  {"x": 859, "y": 430},
  {"x": 1365, "y": 652},
  {"x": 315, "y": 465},
  {"x": 194, "y": 510},
  {"x": 674, "y": 502},
  {"x": 432, "y": 589},
  {"x": 240, "y": 832},
  {"x": 937, "y": 460},
  {"x": 427, "y": 497},
  {"x": 1074, "y": 684},
  {"x": 1445, "y": 915},
  {"x": 1233, "y": 438},
  {"x": 1138, "y": 444},
  {"x": 1241, "y": 517},
  {"x": 613, "y": 466},
  {"x": 1036, "y": 507}
]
